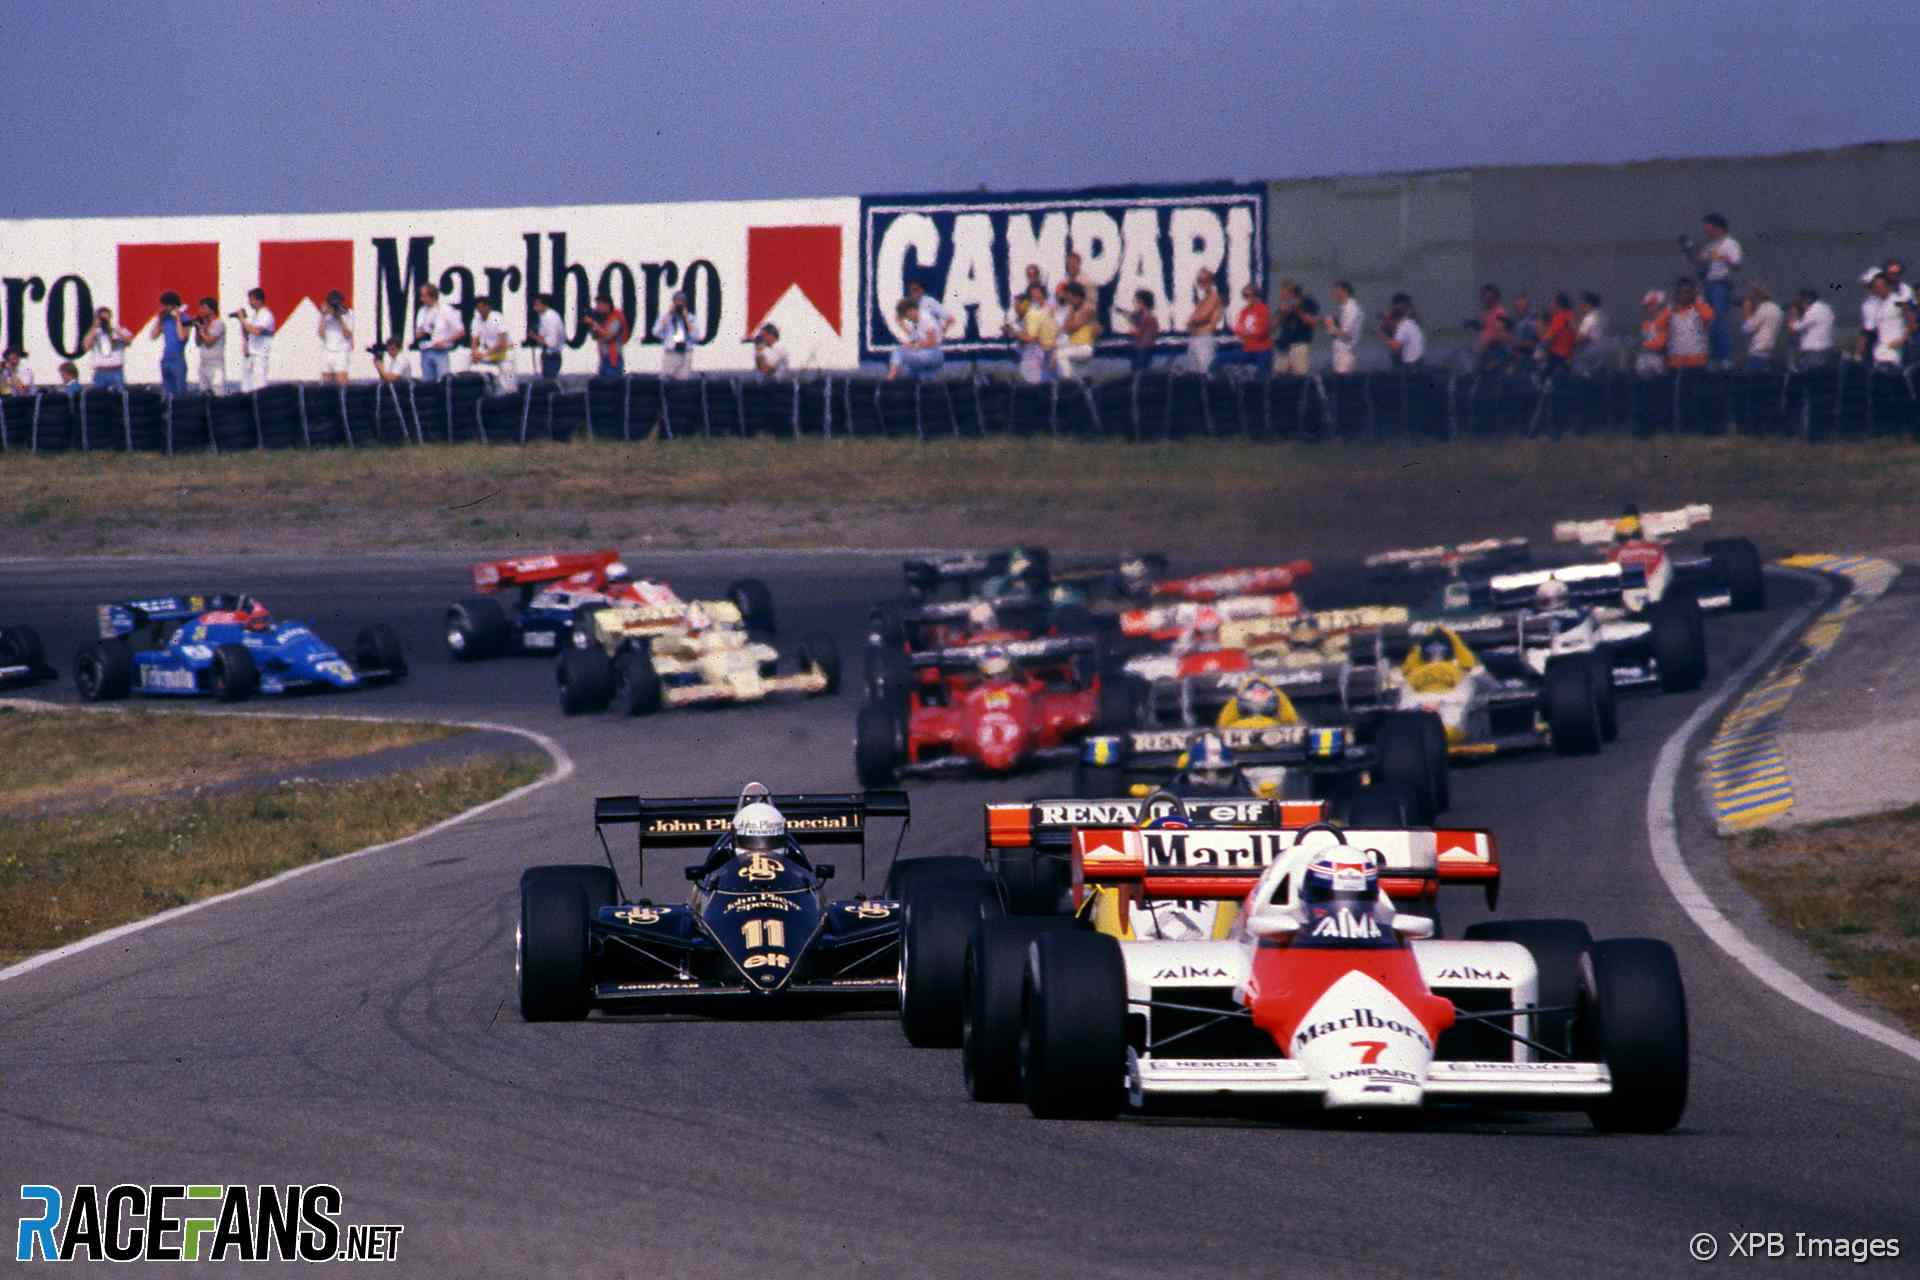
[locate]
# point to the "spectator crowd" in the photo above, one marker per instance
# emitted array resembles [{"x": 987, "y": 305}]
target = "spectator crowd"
[{"x": 1715, "y": 316}]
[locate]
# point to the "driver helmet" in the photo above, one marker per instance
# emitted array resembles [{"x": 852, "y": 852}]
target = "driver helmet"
[
  {"x": 254, "y": 613},
  {"x": 1205, "y": 632},
  {"x": 1436, "y": 648},
  {"x": 1067, "y": 593},
  {"x": 1173, "y": 820},
  {"x": 1551, "y": 594},
  {"x": 1627, "y": 527},
  {"x": 1211, "y": 763},
  {"x": 617, "y": 572},
  {"x": 1258, "y": 698},
  {"x": 1135, "y": 577},
  {"x": 980, "y": 616},
  {"x": 759, "y": 828},
  {"x": 1342, "y": 874},
  {"x": 698, "y": 619},
  {"x": 994, "y": 663}
]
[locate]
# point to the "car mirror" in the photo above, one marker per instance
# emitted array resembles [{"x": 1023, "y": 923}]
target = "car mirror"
[
  {"x": 695, "y": 872},
  {"x": 824, "y": 870}
]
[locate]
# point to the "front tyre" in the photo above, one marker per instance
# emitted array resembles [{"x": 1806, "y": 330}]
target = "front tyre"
[
  {"x": 233, "y": 677},
  {"x": 755, "y": 602},
  {"x": 876, "y": 739},
  {"x": 1571, "y": 706},
  {"x": 377, "y": 650},
  {"x": 819, "y": 650},
  {"x": 551, "y": 942},
  {"x": 1634, "y": 1019},
  {"x": 104, "y": 673},
  {"x": 477, "y": 628},
  {"x": 586, "y": 680}
]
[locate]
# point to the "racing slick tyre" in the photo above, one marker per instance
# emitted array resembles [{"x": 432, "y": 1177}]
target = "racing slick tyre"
[
  {"x": 819, "y": 649},
  {"x": 1633, "y": 1017},
  {"x": 20, "y": 647},
  {"x": 1384, "y": 805},
  {"x": 1679, "y": 642},
  {"x": 1602, "y": 662},
  {"x": 876, "y": 744},
  {"x": 1099, "y": 781},
  {"x": 580, "y": 629},
  {"x": 104, "y": 673},
  {"x": 477, "y": 628},
  {"x": 1119, "y": 703},
  {"x": 1434, "y": 734},
  {"x": 889, "y": 677},
  {"x": 992, "y": 984},
  {"x": 1403, "y": 760},
  {"x": 933, "y": 957},
  {"x": 1032, "y": 883},
  {"x": 636, "y": 683},
  {"x": 550, "y": 945},
  {"x": 755, "y": 602},
  {"x": 1073, "y": 1039},
  {"x": 586, "y": 680},
  {"x": 1556, "y": 947},
  {"x": 1736, "y": 562},
  {"x": 1572, "y": 706},
  {"x": 921, "y": 875},
  {"x": 233, "y": 677},
  {"x": 377, "y": 648}
]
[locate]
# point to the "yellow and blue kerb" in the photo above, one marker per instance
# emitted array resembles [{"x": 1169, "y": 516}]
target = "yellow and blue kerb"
[{"x": 1748, "y": 779}]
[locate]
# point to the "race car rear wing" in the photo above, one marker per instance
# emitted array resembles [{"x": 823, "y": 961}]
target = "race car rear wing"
[
  {"x": 1019, "y": 652},
  {"x": 1585, "y": 583},
  {"x": 928, "y": 573},
  {"x": 1201, "y": 862},
  {"x": 129, "y": 616},
  {"x": 1654, "y": 525},
  {"x": 1484, "y": 556},
  {"x": 1268, "y": 579},
  {"x": 1159, "y": 750},
  {"x": 695, "y": 823},
  {"x": 1048, "y": 825},
  {"x": 525, "y": 571},
  {"x": 1170, "y": 619}
]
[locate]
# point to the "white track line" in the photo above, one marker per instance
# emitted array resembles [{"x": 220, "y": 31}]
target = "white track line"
[
  {"x": 562, "y": 770},
  {"x": 1664, "y": 837}
]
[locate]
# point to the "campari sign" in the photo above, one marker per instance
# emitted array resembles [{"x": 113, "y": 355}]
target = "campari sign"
[{"x": 972, "y": 252}]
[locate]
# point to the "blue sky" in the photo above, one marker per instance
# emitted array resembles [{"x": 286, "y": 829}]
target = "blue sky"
[{"x": 276, "y": 105}]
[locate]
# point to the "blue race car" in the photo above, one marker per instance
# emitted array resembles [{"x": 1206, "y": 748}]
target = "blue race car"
[
  {"x": 224, "y": 646},
  {"x": 21, "y": 659}
]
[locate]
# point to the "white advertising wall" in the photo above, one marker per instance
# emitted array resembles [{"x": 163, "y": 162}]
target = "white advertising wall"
[{"x": 742, "y": 263}]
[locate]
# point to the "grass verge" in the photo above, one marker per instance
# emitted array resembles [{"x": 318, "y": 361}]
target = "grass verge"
[
  {"x": 1851, "y": 889},
  {"x": 1227, "y": 496},
  {"x": 77, "y": 760},
  {"x": 62, "y": 878}
]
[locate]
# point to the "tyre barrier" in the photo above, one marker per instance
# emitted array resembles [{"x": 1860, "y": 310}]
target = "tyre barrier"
[{"x": 1844, "y": 402}]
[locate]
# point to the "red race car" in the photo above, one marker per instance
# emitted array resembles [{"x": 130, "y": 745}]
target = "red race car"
[{"x": 990, "y": 708}]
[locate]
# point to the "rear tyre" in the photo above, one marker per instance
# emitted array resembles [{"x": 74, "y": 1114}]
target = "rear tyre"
[
  {"x": 1119, "y": 704},
  {"x": 20, "y": 647},
  {"x": 1679, "y": 642},
  {"x": 550, "y": 957},
  {"x": 1634, "y": 1019},
  {"x": 104, "y": 673},
  {"x": 477, "y": 628},
  {"x": 1736, "y": 562},
  {"x": 921, "y": 875},
  {"x": 876, "y": 744},
  {"x": 1434, "y": 736},
  {"x": 1571, "y": 706},
  {"x": 1556, "y": 946},
  {"x": 636, "y": 683},
  {"x": 820, "y": 650},
  {"x": 586, "y": 680},
  {"x": 233, "y": 677},
  {"x": 994, "y": 980},
  {"x": 933, "y": 956},
  {"x": 581, "y": 631},
  {"x": 1383, "y": 806},
  {"x": 1404, "y": 762},
  {"x": 1073, "y": 1041},
  {"x": 377, "y": 648},
  {"x": 1033, "y": 883},
  {"x": 755, "y": 602}
]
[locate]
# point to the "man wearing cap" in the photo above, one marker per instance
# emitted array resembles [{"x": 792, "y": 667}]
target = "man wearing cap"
[{"x": 1651, "y": 360}]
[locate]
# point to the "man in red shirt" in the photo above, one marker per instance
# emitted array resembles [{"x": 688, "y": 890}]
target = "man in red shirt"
[
  {"x": 1254, "y": 327},
  {"x": 1557, "y": 339},
  {"x": 609, "y": 326}
]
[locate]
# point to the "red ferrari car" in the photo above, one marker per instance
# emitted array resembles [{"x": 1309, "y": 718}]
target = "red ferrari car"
[{"x": 989, "y": 708}]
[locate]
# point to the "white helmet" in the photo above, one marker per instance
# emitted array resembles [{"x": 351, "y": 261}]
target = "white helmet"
[
  {"x": 759, "y": 828},
  {"x": 618, "y": 572},
  {"x": 1551, "y": 594}
]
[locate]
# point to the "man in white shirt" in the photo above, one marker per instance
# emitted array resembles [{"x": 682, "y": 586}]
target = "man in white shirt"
[
  {"x": 1812, "y": 325},
  {"x": 257, "y": 323},
  {"x": 1720, "y": 259},
  {"x": 931, "y": 308},
  {"x": 1762, "y": 323},
  {"x": 210, "y": 340},
  {"x": 675, "y": 333},
  {"x": 1344, "y": 324},
  {"x": 769, "y": 357},
  {"x": 919, "y": 354},
  {"x": 550, "y": 332},
  {"x": 336, "y": 339},
  {"x": 107, "y": 343},
  {"x": 1889, "y": 327},
  {"x": 1403, "y": 334},
  {"x": 492, "y": 353},
  {"x": 395, "y": 364},
  {"x": 437, "y": 330},
  {"x": 1592, "y": 345}
]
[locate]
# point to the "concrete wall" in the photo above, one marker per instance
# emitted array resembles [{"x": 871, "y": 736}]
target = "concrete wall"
[{"x": 1812, "y": 219}]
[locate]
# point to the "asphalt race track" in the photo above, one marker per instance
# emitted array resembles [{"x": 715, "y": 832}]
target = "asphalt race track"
[{"x": 357, "y": 1026}]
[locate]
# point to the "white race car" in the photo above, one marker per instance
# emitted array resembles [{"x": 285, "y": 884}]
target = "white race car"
[{"x": 1323, "y": 992}]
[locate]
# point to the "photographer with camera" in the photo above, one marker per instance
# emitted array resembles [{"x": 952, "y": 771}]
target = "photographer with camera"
[
  {"x": 769, "y": 357},
  {"x": 258, "y": 324},
  {"x": 1715, "y": 262},
  {"x": 171, "y": 328},
  {"x": 336, "y": 339},
  {"x": 674, "y": 332},
  {"x": 437, "y": 330},
  {"x": 210, "y": 340},
  {"x": 491, "y": 351},
  {"x": 549, "y": 334},
  {"x": 107, "y": 342}
]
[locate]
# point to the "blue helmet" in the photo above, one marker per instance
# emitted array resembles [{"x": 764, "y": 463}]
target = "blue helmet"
[{"x": 1210, "y": 763}]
